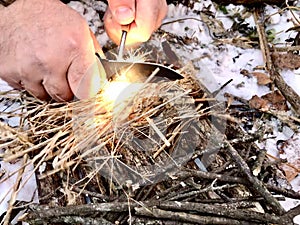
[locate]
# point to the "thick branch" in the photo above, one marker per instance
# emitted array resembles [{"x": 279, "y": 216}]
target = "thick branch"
[{"x": 186, "y": 217}]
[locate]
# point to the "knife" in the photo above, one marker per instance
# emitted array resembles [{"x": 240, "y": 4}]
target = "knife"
[{"x": 137, "y": 71}]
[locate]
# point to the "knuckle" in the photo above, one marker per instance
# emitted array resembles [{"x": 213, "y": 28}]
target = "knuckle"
[{"x": 57, "y": 91}]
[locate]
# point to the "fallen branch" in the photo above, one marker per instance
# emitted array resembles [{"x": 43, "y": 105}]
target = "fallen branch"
[
  {"x": 291, "y": 96},
  {"x": 186, "y": 217},
  {"x": 256, "y": 184},
  {"x": 172, "y": 210},
  {"x": 230, "y": 179},
  {"x": 221, "y": 210}
]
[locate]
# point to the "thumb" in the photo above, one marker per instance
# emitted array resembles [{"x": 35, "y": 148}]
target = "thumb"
[
  {"x": 123, "y": 12},
  {"x": 92, "y": 81},
  {"x": 86, "y": 81},
  {"x": 86, "y": 75}
]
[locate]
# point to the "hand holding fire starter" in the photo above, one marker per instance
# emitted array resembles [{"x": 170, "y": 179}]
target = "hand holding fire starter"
[{"x": 144, "y": 17}]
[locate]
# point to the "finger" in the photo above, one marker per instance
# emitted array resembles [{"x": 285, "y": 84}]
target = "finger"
[
  {"x": 31, "y": 78},
  {"x": 147, "y": 19},
  {"x": 123, "y": 12},
  {"x": 12, "y": 79},
  {"x": 86, "y": 76},
  {"x": 112, "y": 28},
  {"x": 97, "y": 46},
  {"x": 58, "y": 87},
  {"x": 36, "y": 89},
  {"x": 44, "y": 76}
]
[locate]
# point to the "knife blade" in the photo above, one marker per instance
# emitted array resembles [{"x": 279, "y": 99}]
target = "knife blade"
[{"x": 137, "y": 71}]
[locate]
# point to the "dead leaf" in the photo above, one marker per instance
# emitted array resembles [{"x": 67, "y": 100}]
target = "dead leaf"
[
  {"x": 258, "y": 103},
  {"x": 276, "y": 100},
  {"x": 290, "y": 172},
  {"x": 273, "y": 100},
  {"x": 262, "y": 78},
  {"x": 291, "y": 152}
]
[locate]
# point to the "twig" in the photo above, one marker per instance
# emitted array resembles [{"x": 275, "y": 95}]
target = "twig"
[
  {"x": 220, "y": 210},
  {"x": 159, "y": 133},
  {"x": 287, "y": 49},
  {"x": 291, "y": 214},
  {"x": 197, "y": 192},
  {"x": 72, "y": 220},
  {"x": 90, "y": 193},
  {"x": 285, "y": 192},
  {"x": 230, "y": 179},
  {"x": 146, "y": 220},
  {"x": 216, "y": 92},
  {"x": 258, "y": 162},
  {"x": 186, "y": 217},
  {"x": 257, "y": 185},
  {"x": 210, "y": 176},
  {"x": 165, "y": 22},
  {"x": 45, "y": 213}
]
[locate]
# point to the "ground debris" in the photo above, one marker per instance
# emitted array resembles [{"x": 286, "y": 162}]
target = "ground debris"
[{"x": 217, "y": 182}]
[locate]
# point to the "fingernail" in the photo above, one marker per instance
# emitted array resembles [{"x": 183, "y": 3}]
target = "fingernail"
[{"x": 124, "y": 15}]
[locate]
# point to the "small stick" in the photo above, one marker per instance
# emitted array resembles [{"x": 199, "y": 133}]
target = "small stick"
[
  {"x": 159, "y": 133},
  {"x": 226, "y": 210},
  {"x": 177, "y": 129},
  {"x": 258, "y": 163}
]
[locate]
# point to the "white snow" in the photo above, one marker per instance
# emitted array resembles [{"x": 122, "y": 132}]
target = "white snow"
[{"x": 28, "y": 191}]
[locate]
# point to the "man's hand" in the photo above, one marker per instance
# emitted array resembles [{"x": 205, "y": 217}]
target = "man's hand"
[
  {"x": 144, "y": 16},
  {"x": 46, "y": 48}
]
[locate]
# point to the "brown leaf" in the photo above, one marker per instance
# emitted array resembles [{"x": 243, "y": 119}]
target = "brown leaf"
[
  {"x": 290, "y": 172},
  {"x": 262, "y": 78},
  {"x": 276, "y": 100},
  {"x": 258, "y": 103},
  {"x": 291, "y": 152}
]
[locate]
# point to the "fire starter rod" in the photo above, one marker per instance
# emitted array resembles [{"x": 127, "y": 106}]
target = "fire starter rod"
[{"x": 122, "y": 42}]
